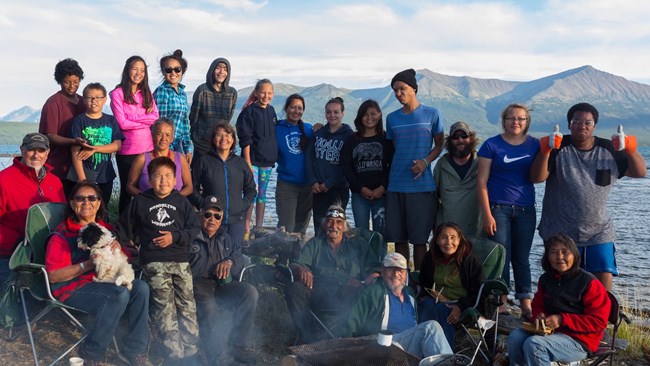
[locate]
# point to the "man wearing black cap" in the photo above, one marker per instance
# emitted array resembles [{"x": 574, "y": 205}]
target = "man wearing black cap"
[
  {"x": 455, "y": 178},
  {"x": 329, "y": 273},
  {"x": 26, "y": 182},
  {"x": 216, "y": 259},
  {"x": 410, "y": 201}
]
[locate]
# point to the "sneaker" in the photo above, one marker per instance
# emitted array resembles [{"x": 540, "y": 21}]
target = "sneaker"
[
  {"x": 139, "y": 360},
  {"x": 244, "y": 355}
]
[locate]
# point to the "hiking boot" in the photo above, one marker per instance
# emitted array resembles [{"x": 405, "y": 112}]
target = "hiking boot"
[
  {"x": 244, "y": 355},
  {"x": 139, "y": 360},
  {"x": 87, "y": 360}
]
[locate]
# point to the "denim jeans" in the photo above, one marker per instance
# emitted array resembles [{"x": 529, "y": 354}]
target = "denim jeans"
[
  {"x": 4, "y": 272},
  {"x": 527, "y": 349},
  {"x": 428, "y": 309},
  {"x": 424, "y": 340},
  {"x": 107, "y": 303},
  {"x": 365, "y": 210},
  {"x": 515, "y": 230}
]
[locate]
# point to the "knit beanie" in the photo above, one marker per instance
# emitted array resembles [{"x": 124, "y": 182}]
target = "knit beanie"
[{"x": 408, "y": 77}]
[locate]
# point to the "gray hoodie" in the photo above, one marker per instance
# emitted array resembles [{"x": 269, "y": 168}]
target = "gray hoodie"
[{"x": 210, "y": 107}]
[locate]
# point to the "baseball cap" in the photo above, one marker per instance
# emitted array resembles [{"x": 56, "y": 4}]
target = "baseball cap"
[
  {"x": 395, "y": 260},
  {"x": 35, "y": 141},
  {"x": 211, "y": 202},
  {"x": 459, "y": 126}
]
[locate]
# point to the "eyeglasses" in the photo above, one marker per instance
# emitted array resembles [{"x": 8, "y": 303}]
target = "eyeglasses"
[
  {"x": 216, "y": 215},
  {"x": 587, "y": 123},
  {"x": 92, "y": 99},
  {"x": 518, "y": 119},
  {"x": 459, "y": 136},
  {"x": 89, "y": 198},
  {"x": 168, "y": 70}
]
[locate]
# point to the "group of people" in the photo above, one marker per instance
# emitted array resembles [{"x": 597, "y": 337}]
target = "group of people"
[{"x": 186, "y": 203}]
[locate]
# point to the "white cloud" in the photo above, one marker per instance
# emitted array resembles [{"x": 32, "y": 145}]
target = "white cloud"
[{"x": 348, "y": 44}]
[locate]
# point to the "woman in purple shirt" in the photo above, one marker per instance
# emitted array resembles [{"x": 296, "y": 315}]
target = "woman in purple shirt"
[{"x": 162, "y": 133}]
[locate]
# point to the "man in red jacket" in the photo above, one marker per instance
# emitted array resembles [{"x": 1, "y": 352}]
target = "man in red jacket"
[{"x": 23, "y": 184}]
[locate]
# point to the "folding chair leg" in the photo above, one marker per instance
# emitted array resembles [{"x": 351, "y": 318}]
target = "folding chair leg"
[
  {"x": 28, "y": 326},
  {"x": 477, "y": 345},
  {"x": 321, "y": 324}
]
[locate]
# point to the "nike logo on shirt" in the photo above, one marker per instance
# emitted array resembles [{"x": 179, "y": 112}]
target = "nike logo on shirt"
[{"x": 508, "y": 160}]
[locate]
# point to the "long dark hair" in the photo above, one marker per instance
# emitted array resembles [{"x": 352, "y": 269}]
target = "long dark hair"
[
  {"x": 363, "y": 108},
  {"x": 563, "y": 240},
  {"x": 304, "y": 140},
  {"x": 125, "y": 84},
  {"x": 102, "y": 212},
  {"x": 464, "y": 246}
]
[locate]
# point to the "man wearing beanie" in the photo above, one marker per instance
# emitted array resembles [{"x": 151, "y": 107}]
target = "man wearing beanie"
[
  {"x": 410, "y": 201},
  {"x": 28, "y": 181}
]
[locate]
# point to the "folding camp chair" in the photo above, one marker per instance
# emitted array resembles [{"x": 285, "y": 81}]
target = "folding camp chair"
[
  {"x": 608, "y": 349},
  {"x": 484, "y": 315},
  {"x": 323, "y": 314},
  {"x": 375, "y": 241},
  {"x": 28, "y": 262}
]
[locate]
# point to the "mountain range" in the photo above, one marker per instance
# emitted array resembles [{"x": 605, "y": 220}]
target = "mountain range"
[{"x": 478, "y": 101}]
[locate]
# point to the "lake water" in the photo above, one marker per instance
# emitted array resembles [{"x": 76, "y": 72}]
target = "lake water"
[{"x": 629, "y": 205}]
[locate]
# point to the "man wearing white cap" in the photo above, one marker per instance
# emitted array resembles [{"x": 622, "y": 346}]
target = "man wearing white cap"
[
  {"x": 455, "y": 178},
  {"x": 26, "y": 182},
  {"x": 389, "y": 305}
]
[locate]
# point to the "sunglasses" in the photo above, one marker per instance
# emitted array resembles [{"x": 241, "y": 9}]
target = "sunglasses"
[
  {"x": 89, "y": 198},
  {"x": 216, "y": 215},
  {"x": 459, "y": 136},
  {"x": 168, "y": 70}
]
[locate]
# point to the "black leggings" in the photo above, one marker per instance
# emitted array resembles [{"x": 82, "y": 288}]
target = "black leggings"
[{"x": 124, "y": 163}]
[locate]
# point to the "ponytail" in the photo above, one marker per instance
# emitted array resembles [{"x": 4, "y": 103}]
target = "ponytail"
[{"x": 253, "y": 97}]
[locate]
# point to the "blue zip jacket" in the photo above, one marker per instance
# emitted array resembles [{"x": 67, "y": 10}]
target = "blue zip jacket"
[{"x": 230, "y": 180}]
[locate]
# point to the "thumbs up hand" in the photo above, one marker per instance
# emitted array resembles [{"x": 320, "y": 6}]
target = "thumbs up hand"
[
  {"x": 623, "y": 142},
  {"x": 552, "y": 141}
]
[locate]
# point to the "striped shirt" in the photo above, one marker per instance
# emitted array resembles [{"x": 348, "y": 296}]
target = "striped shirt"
[
  {"x": 412, "y": 134},
  {"x": 173, "y": 105}
]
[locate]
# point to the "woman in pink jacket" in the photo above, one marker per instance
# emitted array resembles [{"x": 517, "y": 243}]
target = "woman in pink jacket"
[{"x": 135, "y": 110}]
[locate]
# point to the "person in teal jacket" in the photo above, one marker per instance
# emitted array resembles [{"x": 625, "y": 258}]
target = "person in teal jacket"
[{"x": 389, "y": 306}]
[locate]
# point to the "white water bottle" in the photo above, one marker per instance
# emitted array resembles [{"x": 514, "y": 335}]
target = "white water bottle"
[
  {"x": 551, "y": 140},
  {"x": 620, "y": 135}
]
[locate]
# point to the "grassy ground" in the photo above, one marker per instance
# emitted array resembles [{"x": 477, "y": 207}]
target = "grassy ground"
[
  {"x": 272, "y": 339},
  {"x": 12, "y": 133}
]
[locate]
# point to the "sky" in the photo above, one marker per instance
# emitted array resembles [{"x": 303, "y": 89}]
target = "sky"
[{"x": 351, "y": 44}]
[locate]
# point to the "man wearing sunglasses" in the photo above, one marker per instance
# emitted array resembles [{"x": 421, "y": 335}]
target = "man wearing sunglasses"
[
  {"x": 216, "y": 260},
  {"x": 28, "y": 181},
  {"x": 329, "y": 273},
  {"x": 455, "y": 178}
]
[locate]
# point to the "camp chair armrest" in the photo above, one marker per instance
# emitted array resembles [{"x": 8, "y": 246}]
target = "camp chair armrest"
[{"x": 29, "y": 267}]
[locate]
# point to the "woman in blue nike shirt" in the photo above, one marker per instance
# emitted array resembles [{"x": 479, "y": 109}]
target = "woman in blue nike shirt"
[{"x": 506, "y": 196}]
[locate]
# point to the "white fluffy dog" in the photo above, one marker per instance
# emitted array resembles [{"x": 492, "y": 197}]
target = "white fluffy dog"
[{"x": 111, "y": 264}]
